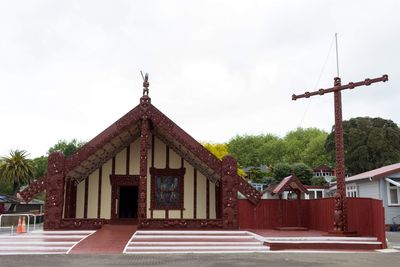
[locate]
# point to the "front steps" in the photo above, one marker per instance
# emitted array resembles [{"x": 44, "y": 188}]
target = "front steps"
[
  {"x": 322, "y": 243},
  {"x": 164, "y": 242},
  {"x": 41, "y": 242}
]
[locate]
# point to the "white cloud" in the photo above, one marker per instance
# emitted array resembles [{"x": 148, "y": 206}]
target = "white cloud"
[{"x": 217, "y": 68}]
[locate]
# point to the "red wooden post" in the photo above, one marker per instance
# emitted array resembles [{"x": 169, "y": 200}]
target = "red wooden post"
[
  {"x": 229, "y": 193},
  {"x": 340, "y": 214},
  {"x": 144, "y": 136},
  {"x": 54, "y": 191}
]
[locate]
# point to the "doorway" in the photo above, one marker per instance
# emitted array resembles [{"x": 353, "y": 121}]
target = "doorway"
[{"x": 128, "y": 202}]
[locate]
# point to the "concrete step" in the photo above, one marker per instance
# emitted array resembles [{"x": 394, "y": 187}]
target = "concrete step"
[
  {"x": 154, "y": 242},
  {"x": 321, "y": 245},
  {"x": 57, "y": 242}
]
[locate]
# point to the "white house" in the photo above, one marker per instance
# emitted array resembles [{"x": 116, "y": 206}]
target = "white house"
[{"x": 382, "y": 183}]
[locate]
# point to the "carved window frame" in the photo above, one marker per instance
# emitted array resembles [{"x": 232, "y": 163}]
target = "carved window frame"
[{"x": 180, "y": 174}]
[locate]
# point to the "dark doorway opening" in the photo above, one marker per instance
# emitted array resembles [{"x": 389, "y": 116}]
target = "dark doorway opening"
[{"x": 128, "y": 202}]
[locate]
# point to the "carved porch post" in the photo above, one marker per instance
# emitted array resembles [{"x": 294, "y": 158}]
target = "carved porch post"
[
  {"x": 144, "y": 136},
  {"x": 229, "y": 193},
  {"x": 54, "y": 191}
]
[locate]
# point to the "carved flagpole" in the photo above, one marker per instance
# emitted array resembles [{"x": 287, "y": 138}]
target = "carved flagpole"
[{"x": 340, "y": 214}]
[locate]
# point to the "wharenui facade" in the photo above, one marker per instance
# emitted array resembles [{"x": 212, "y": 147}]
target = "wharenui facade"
[{"x": 145, "y": 170}]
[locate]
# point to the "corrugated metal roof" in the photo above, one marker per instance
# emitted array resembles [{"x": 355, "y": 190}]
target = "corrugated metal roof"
[{"x": 376, "y": 173}]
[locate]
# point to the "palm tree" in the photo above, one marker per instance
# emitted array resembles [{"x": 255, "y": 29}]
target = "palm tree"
[{"x": 16, "y": 169}]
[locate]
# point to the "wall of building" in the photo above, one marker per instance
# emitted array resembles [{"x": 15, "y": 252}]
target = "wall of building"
[
  {"x": 193, "y": 208},
  {"x": 390, "y": 211},
  {"x": 367, "y": 188}
]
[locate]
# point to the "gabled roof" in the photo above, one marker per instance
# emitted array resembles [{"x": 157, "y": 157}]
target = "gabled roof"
[
  {"x": 288, "y": 184},
  {"x": 127, "y": 129},
  {"x": 124, "y": 131},
  {"x": 376, "y": 173},
  {"x": 323, "y": 168}
]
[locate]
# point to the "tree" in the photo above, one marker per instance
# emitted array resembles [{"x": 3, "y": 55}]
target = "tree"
[
  {"x": 16, "y": 169},
  {"x": 300, "y": 145},
  {"x": 67, "y": 147},
  {"x": 40, "y": 165},
  {"x": 220, "y": 150},
  {"x": 281, "y": 170},
  {"x": 369, "y": 143},
  {"x": 301, "y": 170},
  {"x": 318, "y": 181},
  {"x": 255, "y": 150},
  {"x": 306, "y": 145}
]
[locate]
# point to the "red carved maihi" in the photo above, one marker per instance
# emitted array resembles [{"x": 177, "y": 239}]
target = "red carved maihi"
[
  {"x": 340, "y": 213},
  {"x": 34, "y": 188}
]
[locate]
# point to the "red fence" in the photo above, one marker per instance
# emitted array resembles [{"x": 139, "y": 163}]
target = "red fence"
[{"x": 365, "y": 215}]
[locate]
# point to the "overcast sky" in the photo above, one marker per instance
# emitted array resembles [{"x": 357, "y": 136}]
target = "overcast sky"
[{"x": 68, "y": 69}]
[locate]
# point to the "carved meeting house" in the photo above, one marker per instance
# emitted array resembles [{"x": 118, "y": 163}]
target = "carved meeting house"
[{"x": 144, "y": 170}]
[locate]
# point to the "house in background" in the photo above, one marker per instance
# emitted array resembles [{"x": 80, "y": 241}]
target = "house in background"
[
  {"x": 324, "y": 171},
  {"x": 382, "y": 183},
  {"x": 315, "y": 192}
]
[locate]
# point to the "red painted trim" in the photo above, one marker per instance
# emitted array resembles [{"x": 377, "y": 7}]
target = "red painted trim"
[
  {"x": 153, "y": 142},
  {"x": 99, "y": 192},
  {"x": 217, "y": 201},
  {"x": 72, "y": 208},
  {"x": 195, "y": 194},
  {"x": 67, "y": 199},
  {"x": 180, "y": 173},
  {"x": 182, "y": 166},
  {"x": 128, "y": 155},
  {"x": 167, "y": 157},
  {"x": 86, "y": 197},
  {"x": 113, "y": 166},
  {"x": 208, "y": 199}
]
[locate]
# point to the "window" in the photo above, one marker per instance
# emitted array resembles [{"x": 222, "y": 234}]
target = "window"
[
  {"x": 315, "y": 193},
  {"x": 393, "y": 194},
  {"x": 167, "y": 189},
  {"x": 351, "y": 190}
]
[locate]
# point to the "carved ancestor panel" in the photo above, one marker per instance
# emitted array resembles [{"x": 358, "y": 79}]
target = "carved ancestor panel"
[
  {"x": 35, "y": 188},
  {"x": 180, "y": 223},
  {"x": 167, "y": 188},
  {"x": 54, "y": 191},
  {"x": 229, "y": 193}
]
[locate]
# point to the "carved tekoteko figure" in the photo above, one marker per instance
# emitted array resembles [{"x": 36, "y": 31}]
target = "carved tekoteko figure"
[{"x": 146, "y": 84}]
